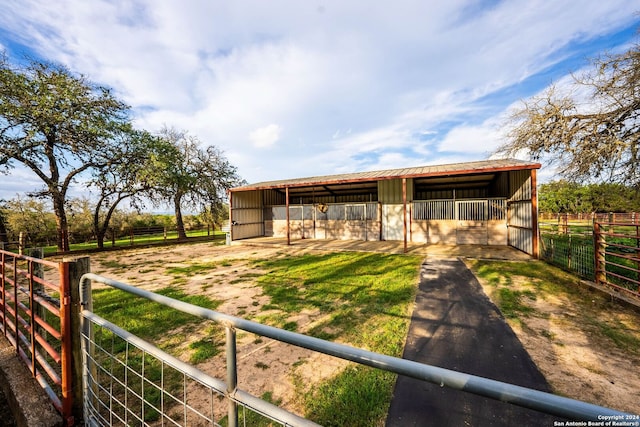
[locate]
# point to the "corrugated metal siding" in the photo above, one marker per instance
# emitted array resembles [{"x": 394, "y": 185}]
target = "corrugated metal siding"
[
  {"x": 520, "y": 185},
  {"x": 520, "y": 217},
  {"x": 246, "y": 231},
  {"x": 520, "y": 214},
  {"x": 247, "y": 199},
  {"x": 434, "y": 194},
  {"x": 500, "y": 187},
  {"x": 522, "y": 239},
  {"x": 272, "y": 198},
  {"x": 460, "y": 193},
  {"x": 471, "y": 193},
  {"x": 340, "y": 198},
  {"x": 247, "y": 215},
  {"x": 390, "y": 191}
]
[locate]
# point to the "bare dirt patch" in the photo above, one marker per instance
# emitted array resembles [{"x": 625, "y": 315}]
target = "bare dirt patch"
[{"x": 264, "y": 365}]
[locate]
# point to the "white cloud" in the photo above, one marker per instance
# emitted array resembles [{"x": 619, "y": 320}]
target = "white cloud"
[
  {"x": 18, "y": 181},
  {"x": 265, "y": 136},
  {"x": 355, "y": 85},
  {"x": 480, "y": 140}
]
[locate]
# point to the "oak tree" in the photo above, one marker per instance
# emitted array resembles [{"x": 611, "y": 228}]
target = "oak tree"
[
  {"x": 589, "y": 130},
  {"x": 125, "y": 178},
  {"x": 59, "y": 125},
  {"x": 190, "y": 176}
]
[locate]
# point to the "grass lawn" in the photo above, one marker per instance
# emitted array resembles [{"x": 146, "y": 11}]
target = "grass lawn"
[
  {"x": 147, "y": 239},
  {"x": 366, "y": 298},
  {"x": 360, "y": 299},
  {"x": 542, "y": 282}
]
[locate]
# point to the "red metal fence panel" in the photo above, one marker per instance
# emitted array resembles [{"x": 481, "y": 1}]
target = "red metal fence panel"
[{"x": 35, "y": 316}]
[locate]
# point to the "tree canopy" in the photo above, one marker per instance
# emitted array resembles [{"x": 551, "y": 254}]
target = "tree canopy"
[
  {"x": 571, "y": 197},
  {"x": 184, "y": 174},
  {"x": 124, "y": 178},
  {"x": 59, "y": 125},
  {"x": 67, "y": 129},
  {"x": 588, "y": 130}
]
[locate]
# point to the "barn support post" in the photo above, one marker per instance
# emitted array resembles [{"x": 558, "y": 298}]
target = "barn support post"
[
  {"x": 230, "y": 216},
  {"x": 380, "y": 221},
  {"x": 404, "y": 213},
  {"x": 535, "y": 232},
  {"x": 286, "y": 192}
]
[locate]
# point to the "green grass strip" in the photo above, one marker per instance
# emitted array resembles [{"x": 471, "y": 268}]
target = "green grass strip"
[{"x": 365, "y": 298}]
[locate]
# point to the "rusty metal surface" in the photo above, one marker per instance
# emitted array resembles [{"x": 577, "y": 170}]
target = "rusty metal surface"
[
  {"x": 485, "y": 166},
  {"x": 35, "y": 321}
]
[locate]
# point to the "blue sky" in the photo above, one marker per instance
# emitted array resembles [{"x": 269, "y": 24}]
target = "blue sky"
[{"x": 290, "y": 88}]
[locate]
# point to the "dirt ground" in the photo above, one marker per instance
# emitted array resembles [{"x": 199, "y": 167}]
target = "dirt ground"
[
  {"x": 557, "y": 342},
  {"x": 264, "y": 365},
  {"x": 575, "y": 358}
]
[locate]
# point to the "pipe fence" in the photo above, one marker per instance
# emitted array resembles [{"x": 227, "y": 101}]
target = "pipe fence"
[
  {"x": 617, "y": 258},
  {"x": 35, "y": 317},
  {"x": 606, "y": 252},
  {"x": 118, "y": 392}
]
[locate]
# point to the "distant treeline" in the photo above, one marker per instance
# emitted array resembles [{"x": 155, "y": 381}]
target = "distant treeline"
[
  {"x": 570, "y": 197},
  {"x": 35, "y": 218}
]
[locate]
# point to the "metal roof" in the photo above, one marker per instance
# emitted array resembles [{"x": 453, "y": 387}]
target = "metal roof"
[{"x": 452, "y": 169}]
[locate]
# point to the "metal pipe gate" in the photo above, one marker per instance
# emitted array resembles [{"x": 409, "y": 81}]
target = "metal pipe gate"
[{"x": 106, "y": 396}]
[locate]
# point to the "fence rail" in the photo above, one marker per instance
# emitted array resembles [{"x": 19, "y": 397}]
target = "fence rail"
[
  {"x": 607, "y": 252},
  {"x": 463, "y": 210},
  {"x": 128, "y": 237},
  {"x": 36, "y": 319},
  {"x": 617, "y": 262},
  {"x": 99, "y": 381}
]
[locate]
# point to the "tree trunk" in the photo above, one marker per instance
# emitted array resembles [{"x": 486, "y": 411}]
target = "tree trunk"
[
  {"x": 4, "y": 236},
  {"x": 62, "y": 227},
  {"x": 101, "y": 230},
  {"x": 100, "y": 238},
  {"x": 179, "y": 223}
]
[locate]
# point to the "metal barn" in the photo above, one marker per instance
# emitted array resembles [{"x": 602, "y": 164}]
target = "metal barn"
[{"x": 492, "y": 202}]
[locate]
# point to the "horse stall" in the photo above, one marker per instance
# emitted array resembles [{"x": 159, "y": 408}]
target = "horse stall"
[{"x": 491, "y": 202}]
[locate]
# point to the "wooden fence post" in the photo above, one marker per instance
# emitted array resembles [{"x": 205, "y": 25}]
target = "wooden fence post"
[
  {"x": 600, "y": 257},
  {"x": 21, "y": 243},
  {"x": 77, "y": 267}
]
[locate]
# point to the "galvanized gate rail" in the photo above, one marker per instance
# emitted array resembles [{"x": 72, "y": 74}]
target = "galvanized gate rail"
[{"x": 521, "y": 396}]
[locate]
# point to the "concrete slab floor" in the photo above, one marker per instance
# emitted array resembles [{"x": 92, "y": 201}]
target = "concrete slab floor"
[{"x": 395, "y": 247}]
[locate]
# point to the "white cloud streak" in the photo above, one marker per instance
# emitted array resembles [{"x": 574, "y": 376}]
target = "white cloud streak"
[
  {"x": 355, "y": 85},
  {"x": 265, "y": 136}
]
